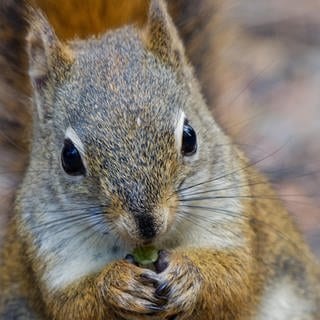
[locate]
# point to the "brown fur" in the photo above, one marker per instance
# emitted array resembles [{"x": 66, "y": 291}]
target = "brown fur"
[{"x": 140, "y": 75}]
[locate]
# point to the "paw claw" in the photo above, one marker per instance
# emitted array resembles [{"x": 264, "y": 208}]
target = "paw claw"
[
  {"x": 130, "y": 258},
  {"x": 155, "y": 308},
  {"x": 162, "y": 290},
  {"x": 147, "y": 279},
  {"x": 162, "y": 263}
]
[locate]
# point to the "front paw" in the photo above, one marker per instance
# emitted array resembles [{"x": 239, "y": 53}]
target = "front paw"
[
  {"x": 130, "y": 291},
  {"x": 180, "y": 283}
]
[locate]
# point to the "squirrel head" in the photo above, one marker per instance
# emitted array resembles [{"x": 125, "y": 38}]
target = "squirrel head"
[{"x": 120, "y": 124}]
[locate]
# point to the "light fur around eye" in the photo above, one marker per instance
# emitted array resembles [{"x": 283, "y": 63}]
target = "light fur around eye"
[
  {"x": 72, "y": 135},
  {"x": 178, "y": 132}
]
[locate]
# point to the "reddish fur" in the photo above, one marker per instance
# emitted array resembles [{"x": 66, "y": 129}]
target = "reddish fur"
[{"x": 229, "y": 283}]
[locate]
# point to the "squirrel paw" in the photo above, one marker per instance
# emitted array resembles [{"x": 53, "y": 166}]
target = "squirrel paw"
[
  {"x": 130, "y": 291},
  {"x": 180, "y": 284}
]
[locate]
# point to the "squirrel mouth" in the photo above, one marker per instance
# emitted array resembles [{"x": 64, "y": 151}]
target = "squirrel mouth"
[{"x": 147, "y": 243}]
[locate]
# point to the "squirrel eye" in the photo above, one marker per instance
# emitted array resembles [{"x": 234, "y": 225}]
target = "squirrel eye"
[
  {"x": 71, "y": 159},
  {"x": 189, "y": 140}
]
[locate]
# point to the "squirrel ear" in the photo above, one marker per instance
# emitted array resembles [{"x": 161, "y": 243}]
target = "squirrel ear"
[
  {"x": 161, "y": 35},
  {"x": 45, "y": 51}
]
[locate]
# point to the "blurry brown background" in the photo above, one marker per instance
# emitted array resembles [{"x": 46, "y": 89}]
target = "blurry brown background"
[
  {"x": 270, "y": 100},
  {"x": 266, "y": 95}
]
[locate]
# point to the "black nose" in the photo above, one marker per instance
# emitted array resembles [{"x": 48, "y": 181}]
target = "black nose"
[{"x": 146, "y": 226}]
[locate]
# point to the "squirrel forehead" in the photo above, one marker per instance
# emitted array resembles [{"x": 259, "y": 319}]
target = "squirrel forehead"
[
  {"x": 123, "y": 66},
  {"x": 119, "y": 85}
]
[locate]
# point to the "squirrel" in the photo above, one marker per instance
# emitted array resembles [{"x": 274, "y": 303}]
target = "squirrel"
[{"x": 125, "y": 153}]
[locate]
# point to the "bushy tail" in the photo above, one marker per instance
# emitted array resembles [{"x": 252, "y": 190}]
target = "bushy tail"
[
  {"x": 14, "y": 85},
  {"x": 197, "y": 25},
  {"x": 15, "y": 114}
]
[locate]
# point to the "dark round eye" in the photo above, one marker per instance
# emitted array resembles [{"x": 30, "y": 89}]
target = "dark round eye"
[
  {"x": 189, "y": 140},
  {"x": 71, "y": 159}
]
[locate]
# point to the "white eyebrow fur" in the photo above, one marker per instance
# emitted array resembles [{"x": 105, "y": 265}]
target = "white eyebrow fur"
[
  {"x": 179, "y": 129},
  {"x": 72, "y": 135}
]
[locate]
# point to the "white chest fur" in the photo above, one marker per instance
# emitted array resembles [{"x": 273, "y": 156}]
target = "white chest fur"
[{"x": 70, "y": 258}]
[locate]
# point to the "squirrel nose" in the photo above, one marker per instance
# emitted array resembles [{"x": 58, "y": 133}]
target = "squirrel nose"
[{"x": 146, "y": 226}]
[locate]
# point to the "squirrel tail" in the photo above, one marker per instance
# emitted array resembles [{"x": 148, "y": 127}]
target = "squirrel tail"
[
  {"x": 196, "y": 21},
  {"x": 14, "y": 84},
  {"x": 15, "y": 112}
]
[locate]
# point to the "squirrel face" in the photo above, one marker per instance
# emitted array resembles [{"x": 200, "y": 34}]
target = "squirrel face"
[
  {"x": 127, "y": 130},
  {"x": 121, "y": 117},
  {"x": 127, "y": 123}
]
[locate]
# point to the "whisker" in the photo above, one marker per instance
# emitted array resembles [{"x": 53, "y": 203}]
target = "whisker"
[
  {"x": 261, "y": 197},
  {"x": 195, "y": 222},
  {"x": 272, "y": 227},
  {"x": 232, "y": 172},
  {"x": 68, "y": 219},
  {"x": 213, "y": 209},
  {"x": 225, "y": 188},
  {"x": 77, "y": 234}
]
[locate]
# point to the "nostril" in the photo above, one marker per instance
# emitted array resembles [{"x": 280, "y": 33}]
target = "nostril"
[
  {"x": 146, "y": 226},
  {"x": 148, "y": 232}
]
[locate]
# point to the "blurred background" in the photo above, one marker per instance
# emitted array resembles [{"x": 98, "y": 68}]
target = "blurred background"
[
  {"x": 266, "y": 92},
  {"x": 270, "y": 98}
]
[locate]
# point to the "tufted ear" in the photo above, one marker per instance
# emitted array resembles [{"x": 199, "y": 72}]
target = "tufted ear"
[
  {"x": 47, "y": 56},
  {"x": 161, "y": 35}
]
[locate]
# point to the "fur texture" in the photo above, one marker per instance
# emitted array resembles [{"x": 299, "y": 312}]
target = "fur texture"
[{"x": 120, "y": 98}]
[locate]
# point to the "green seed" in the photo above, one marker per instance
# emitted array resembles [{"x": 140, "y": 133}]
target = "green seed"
[{"x": 145, "y": 255}]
